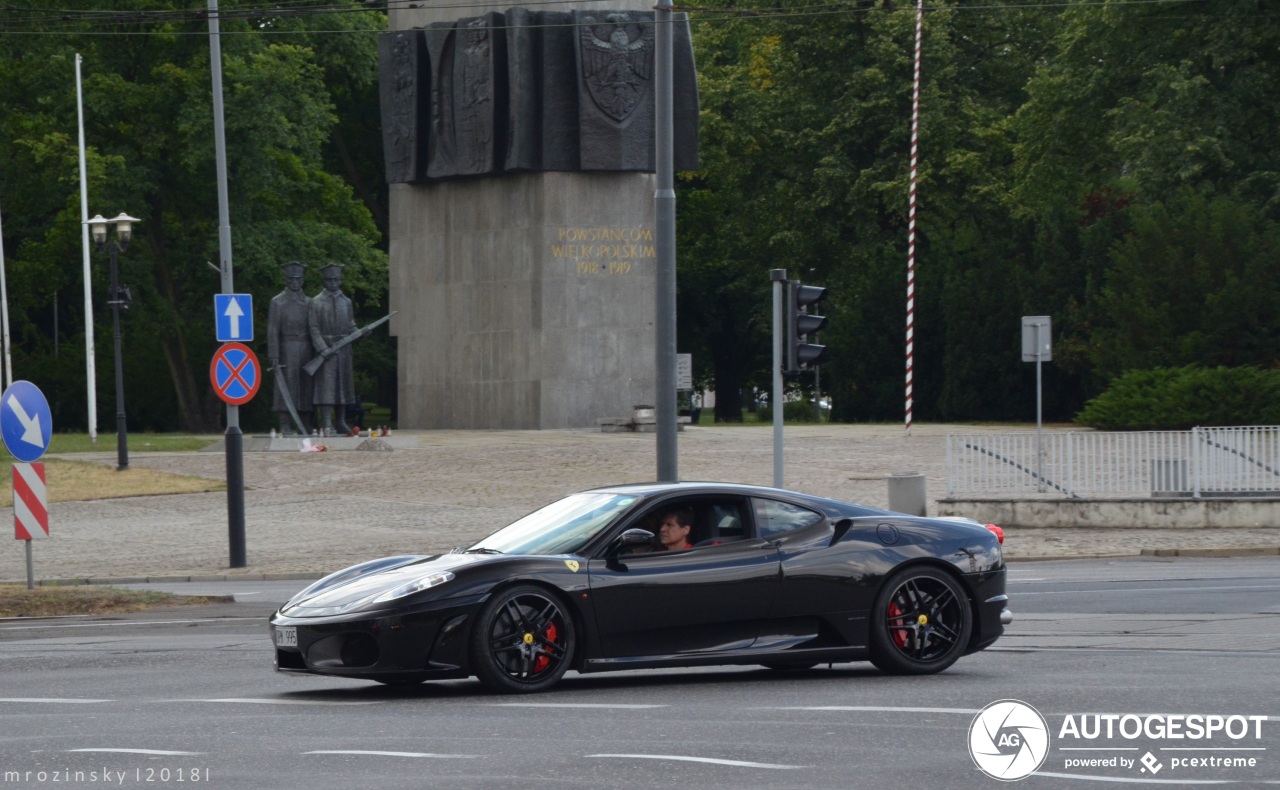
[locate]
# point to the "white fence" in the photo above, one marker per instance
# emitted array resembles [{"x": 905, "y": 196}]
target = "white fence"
[{"x": 1202, "y": 462}]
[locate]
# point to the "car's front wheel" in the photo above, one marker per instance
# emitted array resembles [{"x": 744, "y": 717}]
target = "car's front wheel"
[
  {"x": 921, "y": 623},
  {"x": 522, "y": 641}
]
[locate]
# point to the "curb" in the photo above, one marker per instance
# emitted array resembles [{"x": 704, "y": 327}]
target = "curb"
[
  {"x": 226, "y": 577},
  {"x": 1243, "y": 551},
  {"x": 1254, "y": 551}
]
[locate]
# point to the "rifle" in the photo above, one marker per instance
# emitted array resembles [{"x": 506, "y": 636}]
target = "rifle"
[
  {"x": 278, "y": 369},
  {"x": 319, "y": 359}
]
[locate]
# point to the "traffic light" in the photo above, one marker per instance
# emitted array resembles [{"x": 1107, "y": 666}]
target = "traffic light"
[{"x": 802, "y": 325}]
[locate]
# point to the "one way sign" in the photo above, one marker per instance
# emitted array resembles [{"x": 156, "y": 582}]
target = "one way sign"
[{"x": 233, "y": 315}]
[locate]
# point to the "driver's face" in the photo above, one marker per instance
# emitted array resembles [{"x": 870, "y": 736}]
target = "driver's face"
[{"x": 672, "y": 533}]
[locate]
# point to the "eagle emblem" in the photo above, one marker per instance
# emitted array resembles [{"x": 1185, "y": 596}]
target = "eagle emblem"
[{"x": 617, "y": 62}]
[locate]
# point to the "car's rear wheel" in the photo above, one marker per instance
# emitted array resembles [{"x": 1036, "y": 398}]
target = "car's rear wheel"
[
  {"x": 523, "y": 640},
  {"x": 921, "y": 623}
]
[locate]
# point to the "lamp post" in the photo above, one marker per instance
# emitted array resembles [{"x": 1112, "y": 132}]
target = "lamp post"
[{"x": 118, "y": 296}]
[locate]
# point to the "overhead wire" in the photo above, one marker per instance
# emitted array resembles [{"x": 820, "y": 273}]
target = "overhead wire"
[{"x": 55, "y": 21}]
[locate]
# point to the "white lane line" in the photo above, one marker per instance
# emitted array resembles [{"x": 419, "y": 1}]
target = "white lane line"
[
  {"x": 712, "y": 760},
  {"x": 268, "y": 701},
  {"x": 1251, "y": 587},
  {"x": 159, "y": 752},
  {"x": 876, "y": 709},
  {"x": 396, "y": 754},
  {"x": 53, "y": 700},
  {"x": 1135, "y": 780},
  {"x": 602, "y": 706},
  {"x": 125, "y": 622}
]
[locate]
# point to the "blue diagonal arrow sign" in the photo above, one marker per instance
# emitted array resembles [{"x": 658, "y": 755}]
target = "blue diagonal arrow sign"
[
  {"x": 233, "y": 315},
  {"x": 25, "y": 421}
]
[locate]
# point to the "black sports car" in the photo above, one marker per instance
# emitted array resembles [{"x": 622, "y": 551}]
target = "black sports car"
[{"x": 772, "y": 577}]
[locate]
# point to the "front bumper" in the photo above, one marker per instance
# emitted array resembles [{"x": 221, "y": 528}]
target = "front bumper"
[{"x": 423, "y": 644}]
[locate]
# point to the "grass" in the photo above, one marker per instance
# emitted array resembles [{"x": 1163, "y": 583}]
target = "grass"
[
  {"x": 139, "y": 442},
  {"x": 72, "y": 481},
  {"x": 18, "y": 601}
]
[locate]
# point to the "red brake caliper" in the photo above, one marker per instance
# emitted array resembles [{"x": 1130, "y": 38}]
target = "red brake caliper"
[
  {"x": 899, "y": 633},
  {"x": 542, "y": 661}
]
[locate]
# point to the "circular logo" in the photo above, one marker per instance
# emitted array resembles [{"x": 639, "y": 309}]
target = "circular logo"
[{"x": 1009, "y": 740}]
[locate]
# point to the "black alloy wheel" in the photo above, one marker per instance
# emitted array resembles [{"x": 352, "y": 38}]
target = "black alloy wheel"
[
  {"x": 523, "y": 640},
  {"x": 921, "y": 624}
]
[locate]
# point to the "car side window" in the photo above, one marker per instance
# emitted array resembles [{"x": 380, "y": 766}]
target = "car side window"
[
  {"x": 716, "y": 520},
  {"x": 774, "y": 518}
]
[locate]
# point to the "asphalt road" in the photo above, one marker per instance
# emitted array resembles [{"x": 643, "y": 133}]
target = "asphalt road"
[{"x": 187, "y": 697}]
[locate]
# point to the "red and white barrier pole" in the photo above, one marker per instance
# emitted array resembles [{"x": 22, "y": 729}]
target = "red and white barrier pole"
[{"x": 911, "y": 212}]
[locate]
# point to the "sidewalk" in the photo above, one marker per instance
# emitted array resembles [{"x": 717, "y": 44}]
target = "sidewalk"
[{"x": 308, "y": 514}]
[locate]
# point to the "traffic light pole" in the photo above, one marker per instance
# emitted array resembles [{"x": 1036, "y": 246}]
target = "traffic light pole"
[
  {"x": 779, "y": 279},
  {"x": 664, "y": 200}
]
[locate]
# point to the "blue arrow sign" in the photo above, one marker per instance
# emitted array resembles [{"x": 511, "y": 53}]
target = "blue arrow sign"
[
  {"x": 233, "y": 314},
  {"x": 25, "y": 421}
]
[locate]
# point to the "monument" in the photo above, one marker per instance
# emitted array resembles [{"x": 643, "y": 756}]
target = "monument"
[
  {"x": 520, "y": 150},
  {"x": 289, "y": 348}
]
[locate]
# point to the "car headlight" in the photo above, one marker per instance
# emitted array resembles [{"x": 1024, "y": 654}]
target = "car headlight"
[{"x": 417, "y": 585}]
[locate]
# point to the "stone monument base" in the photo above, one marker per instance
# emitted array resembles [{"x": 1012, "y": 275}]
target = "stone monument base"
[{"x": 294, "y": 444}]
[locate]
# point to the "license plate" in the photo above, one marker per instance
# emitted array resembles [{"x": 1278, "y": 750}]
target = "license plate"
[{"x": 286, "y": 636}]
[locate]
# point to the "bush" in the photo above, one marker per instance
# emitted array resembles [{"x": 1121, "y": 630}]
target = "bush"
[
  {"x": 1167, "y": 399},
  {"x": 792, "y": 411}
]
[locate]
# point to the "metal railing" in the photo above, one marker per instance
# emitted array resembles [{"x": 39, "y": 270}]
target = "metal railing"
[{"x": 1202, "y": 462}]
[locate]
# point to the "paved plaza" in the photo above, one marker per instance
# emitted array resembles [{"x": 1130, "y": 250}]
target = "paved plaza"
[{"x": 311, "y": 513}]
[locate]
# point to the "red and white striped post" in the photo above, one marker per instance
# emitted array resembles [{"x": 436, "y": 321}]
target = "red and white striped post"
[
  {"x": 30, "y": 509},
  {"x": 911, "y": 210}
]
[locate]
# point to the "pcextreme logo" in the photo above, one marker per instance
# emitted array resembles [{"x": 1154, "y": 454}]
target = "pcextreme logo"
[{"x": 1009, "y": 740}]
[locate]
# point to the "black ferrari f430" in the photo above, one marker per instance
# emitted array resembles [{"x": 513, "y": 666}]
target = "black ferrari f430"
[{"x": 770, "y": 577}]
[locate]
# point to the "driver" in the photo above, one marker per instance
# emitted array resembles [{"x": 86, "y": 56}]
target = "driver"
[{"x": 673, "y": 533}]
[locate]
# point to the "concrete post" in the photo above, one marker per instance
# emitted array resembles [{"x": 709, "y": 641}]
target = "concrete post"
[{"x": 907, "y": 493}]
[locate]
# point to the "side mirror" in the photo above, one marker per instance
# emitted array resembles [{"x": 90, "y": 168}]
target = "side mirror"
[{"x": 630, "y": 538}]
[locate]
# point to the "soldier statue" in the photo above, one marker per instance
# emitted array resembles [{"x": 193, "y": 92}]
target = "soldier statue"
[
  {"x": 331, "y": 319},
  {"x": 289, "y": 348}
]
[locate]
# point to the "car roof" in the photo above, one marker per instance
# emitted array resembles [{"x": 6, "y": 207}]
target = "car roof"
[
  {"x": 739, "y": 489},
  {"x": 689, "y": 487}
]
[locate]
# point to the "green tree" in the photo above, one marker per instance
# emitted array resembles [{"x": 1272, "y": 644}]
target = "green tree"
[{"x": 149, "y": 128}]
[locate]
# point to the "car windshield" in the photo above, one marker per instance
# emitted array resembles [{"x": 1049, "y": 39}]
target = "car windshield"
[{"x": 562, "y": 527}]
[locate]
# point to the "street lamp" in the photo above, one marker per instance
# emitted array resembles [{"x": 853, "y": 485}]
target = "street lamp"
[{"x": 117, "y": 297}]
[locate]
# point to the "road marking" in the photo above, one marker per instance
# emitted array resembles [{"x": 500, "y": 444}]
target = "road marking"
[
  {"x": 396, "y": 754},
  {"x": 712, "y": 760},
  {"x": 1150, "y": 589},
  {"x": 125, "y": 622},
  {"x": 160, "y": 752},
  {"x": 53, "y": 700},
  {"x": 570, "y": 705},
  {"x": 877, "y": 709},
  {"x": 269, "y": 701}
]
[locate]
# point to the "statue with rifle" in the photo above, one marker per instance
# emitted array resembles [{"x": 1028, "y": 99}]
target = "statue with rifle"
[
  {"x": 289, "y": 348},
  {"x": 332, "y": 325}
]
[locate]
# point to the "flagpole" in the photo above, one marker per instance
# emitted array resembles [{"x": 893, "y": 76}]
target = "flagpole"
[
  {"x": 91, "y": 379},
  {"x": 911, "y": 217},
  {"x": 4, "y": 316}
]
